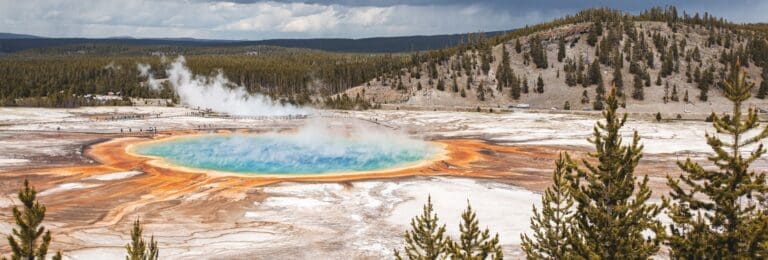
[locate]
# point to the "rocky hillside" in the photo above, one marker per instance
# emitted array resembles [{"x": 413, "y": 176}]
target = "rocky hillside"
[{"x": 666, "y": 63}]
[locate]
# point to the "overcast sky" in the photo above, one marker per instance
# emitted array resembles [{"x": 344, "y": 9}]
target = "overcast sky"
[{"x": 255, "y": 20}]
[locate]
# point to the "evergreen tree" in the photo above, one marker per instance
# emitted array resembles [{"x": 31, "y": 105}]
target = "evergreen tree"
[
  {"x": 696, "y": 55},
  {"x": 658, "y": 80},
  {"x": 463, "y": 93},
  {"x": 481, "y": 92},
  {"x": 567, "y": 105},
  {"x": 426, "y": 239},
  {"x": 553, "y": 225},
  {"x": 707, "y": 79},
  {"x": 594, "y": 73},
  {"x": 515, "y": 88},
  {"x": 475, "y": 243},
  {"x": 504, "y": 74},
  {"x": 455, "y": 86},
  {"x": 618, "y": 81},
  {"x": 138, "y": 249},
  {"x": 762, "y": 92},
  {"x": 433, "y": 73},
  {"x": 525, "y": 85},
  {"x": 647, "y": 78},
  {"x": 674, "y": 96},
  {"x": 469, "y": 82},
  {"x": 418, "y": 86},
  {"x": 600, "y": 90},
  {"x": 560, "y": 49},
  {"x": 538, "y": 52},
  {"x": 717, "y": 213},
  {"x": 650, "y": 60},
  {"x": 685, "y": 97},
  {"x": 697, "y": 75},
  {"x": 441, "y": 85},
  {"x": 584, "y": 97},
  {"x": 612, "y": 212},
  {"x": 637, "y": 88},
  {"x": 598, "y": 104},
  {"x": 570, "y": 78},
  {"x": 486, "y": 61},
  {"x": 593, "y": 34},
  {"x": 518, "y": 46},
  {"x": 540, "y": 85},
  {"x": 25, "y": 240},
  {"x": 667, "y": 65},
  {"x": 598, "y": 26}
]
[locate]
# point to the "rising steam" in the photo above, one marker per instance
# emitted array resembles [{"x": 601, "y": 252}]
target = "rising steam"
[
  {"x": 317, "y": 147},
  {"x": 217, "y": 93},
  {"x": 152, "y": 82}
]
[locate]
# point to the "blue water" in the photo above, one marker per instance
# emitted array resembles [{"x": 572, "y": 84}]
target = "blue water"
[{"x": 286, "y": 154}]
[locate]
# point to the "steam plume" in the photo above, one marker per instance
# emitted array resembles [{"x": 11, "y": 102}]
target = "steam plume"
[
  {"x": 218, "y": 93},
  {"x": 152, "y": 82}
]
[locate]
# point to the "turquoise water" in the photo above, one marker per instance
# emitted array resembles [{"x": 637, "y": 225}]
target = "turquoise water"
[{"x": 287, "y": 154}]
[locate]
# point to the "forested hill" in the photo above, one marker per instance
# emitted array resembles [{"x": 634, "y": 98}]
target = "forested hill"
[
  {"x": 659, "y": 60},
  {"x": 11, "y": 44}
]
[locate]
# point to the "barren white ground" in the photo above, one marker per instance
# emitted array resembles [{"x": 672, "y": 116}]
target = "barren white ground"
[{"x": 363, "y": 219}]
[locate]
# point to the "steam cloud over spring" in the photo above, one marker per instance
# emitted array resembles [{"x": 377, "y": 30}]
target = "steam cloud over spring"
[{"x": 315, "y": 148}]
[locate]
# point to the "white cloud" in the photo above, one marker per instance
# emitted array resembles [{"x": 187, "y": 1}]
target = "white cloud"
[
  {"x": 327, "y": 19},
  {"x": 286, "y": 19},
  {"x": 229, "y": 20},
  {"x": 371, "y": 16}
]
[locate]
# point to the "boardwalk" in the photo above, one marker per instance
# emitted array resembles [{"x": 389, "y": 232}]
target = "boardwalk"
[{"x": 149, "y": 128}]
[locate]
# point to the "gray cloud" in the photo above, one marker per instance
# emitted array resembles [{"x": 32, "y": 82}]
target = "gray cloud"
[{"x": 248, "y": 19}]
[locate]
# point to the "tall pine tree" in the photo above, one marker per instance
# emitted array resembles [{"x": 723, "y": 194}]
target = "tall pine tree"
[
  {"x": 594, "y": 75},
  {"x": 716, "y": 212},
  {"x": 426, "y": 239},
  {"x": 637, "y": 88},
  {"x": 25, "y": 240},
  {"x": 612, "y": 214},
  {"x": 553, "y": 225},
  {"x": 514, "y": 90},
  {"x": 481, "y": 92},
  {"x": 139, "y": 249},
  {"x": 618, "y": 81},
  {"x": 674, "y": 96},
  {"x": 475, "y": 243},
  {"x": 560, "y": 49},
  {"x": 540, "y": 85}
]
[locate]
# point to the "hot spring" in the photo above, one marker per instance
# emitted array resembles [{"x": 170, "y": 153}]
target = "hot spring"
[{"x": 288, "y": 154}]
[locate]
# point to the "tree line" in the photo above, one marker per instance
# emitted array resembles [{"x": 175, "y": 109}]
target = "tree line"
[{"x": 290, "y": 75}]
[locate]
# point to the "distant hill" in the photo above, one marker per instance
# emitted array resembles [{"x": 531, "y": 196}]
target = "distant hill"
[
  {"x": 11, "y": 43},
  {"x": 378, "y": 44},
  {"x": 17, "y": 36}
]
